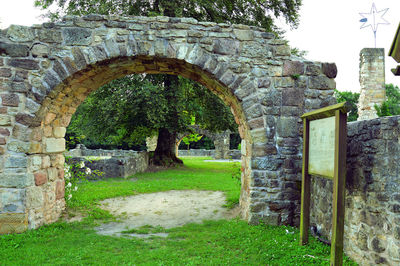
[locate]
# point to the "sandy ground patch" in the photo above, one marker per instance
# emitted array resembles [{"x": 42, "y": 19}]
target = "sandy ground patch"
[{"x": 166, "y": 209}]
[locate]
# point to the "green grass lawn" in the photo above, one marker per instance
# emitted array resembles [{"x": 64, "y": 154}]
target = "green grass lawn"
[{"x": 211, "y": 243}]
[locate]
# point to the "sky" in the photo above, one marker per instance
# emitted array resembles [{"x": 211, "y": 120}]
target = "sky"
[{"x": 329, "y": 31}]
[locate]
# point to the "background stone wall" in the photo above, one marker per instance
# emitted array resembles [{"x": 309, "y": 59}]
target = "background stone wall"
[
  {"x": 372, "y": 217},
  {"x": 112, "y": 163},
  {"x": 230, "y": 154}
]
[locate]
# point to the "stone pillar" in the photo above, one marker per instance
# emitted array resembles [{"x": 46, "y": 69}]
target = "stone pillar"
[
  {"x": 221, "y": 143},
  {"x": 372, "y": 82}
]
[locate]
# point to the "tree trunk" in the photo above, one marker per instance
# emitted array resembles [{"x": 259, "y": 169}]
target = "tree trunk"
[{"x": 165, "y": 153}]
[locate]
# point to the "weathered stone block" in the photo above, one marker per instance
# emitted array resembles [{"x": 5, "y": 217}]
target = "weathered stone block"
[
  {"x": 12, "y": 200},
  {"x": 46, "y": 162},
  {"x": 10, "y": 100},
  {"x": 40, "y": 50},
  {"x": 55, "y": 145},
  {"x": 34, "y": 197},
  {"x": 26, "y": 119},
  {"x": 19, "y": 146},
  {"x": 40, "y": 178},
  {"x": 313, "y": 69},
  {"x": 256, "y": 123},
  {"x": 264, "y": 82},
  {"x": 329, "y": 69},
  {"x": 266, "y": 163},
  {"x": 226, "y": 47},
  {"x": 394, "y": 251},
  {"x": 16, "y": 162},
  {"x": 244, "y": 35},
  {"x": 261, "y": 150},
  {"x": 79, "y": 58},
  {"x": 60, "y": 189},
  {"x": 32, "y": 106},
  {"x": 5, "y": 73},
  {"x": 291, "y": 68},
  {"x": 20, "y": 87},
  {"x": 77, "y": 36},
  {"x": 292, "y": 97},
  {"x": 18, "y": 180},
  {"x": 378, "y": 244},
  {"x": 50, "y": 36},
  {"x": 282, "y": 50},
  {"x": 27, "y": 64},
  {"x": 259, "y": 135},
  {"x": 52, "y": 174},
  {"x": 59, "y": 132},
  {"x": 14, "y": 50},
  {"x": 288, "y": 127},
  {"x": 4, "y": 132},
  {"x": 18, "y": 33},
  {"x": 321, "y": 82}
]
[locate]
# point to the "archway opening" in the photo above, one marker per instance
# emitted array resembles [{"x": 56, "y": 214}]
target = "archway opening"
[{"x": 62, "y": 102}]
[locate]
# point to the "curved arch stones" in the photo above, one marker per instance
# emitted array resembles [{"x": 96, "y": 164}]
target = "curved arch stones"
[{"x": 47, "y": 70}]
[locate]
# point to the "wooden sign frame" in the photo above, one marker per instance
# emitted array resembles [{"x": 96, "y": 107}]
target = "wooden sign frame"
[{"x": 339, "y": 111}]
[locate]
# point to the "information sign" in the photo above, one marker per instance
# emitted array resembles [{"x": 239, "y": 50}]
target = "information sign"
[{"x": 324, "y": 154}]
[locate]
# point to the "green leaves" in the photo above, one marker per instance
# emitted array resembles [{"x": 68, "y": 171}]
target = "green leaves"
[
  {"x": 350, "y": 97},
  {"x": 392, "y": 105},
  {"x": 249, "y": 12},
  {"x": 129, "y": 109}
]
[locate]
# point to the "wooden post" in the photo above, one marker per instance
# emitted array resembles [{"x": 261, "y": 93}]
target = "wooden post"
[
  {"x": 339, "y": 186},
  {"x": 305, "y": 187}
]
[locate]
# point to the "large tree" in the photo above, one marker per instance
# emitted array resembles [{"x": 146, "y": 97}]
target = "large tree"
[
  {"x": 250, "y": 12},
  {"x": 126, "y": 110}
]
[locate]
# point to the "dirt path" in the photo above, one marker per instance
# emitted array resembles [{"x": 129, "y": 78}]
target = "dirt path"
[{"x": 166, "y": 209}]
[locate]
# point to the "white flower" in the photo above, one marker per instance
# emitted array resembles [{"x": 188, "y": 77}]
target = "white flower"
[
  {"x": 69, "y": 196},
  {"x": 82, "y": 164},
  {"x": 75, "y": 188},
  {"x": 69, "y": 185},
  {"x": 88, "y": 171}
]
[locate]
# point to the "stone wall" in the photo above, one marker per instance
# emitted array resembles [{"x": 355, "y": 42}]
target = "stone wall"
[
  {"x": 112, "y": 163},
  {"x": 372, "y": 217},
  {"x": 81, "y": 150},
  {"x": 231, "y": 154},
  {"x": 197, "y": 152},
  {"x": 221, "y": 140},
  {"x": 47, "y": 71},
  {"x": 372, "y": 82},
  {"x": 113, "y": 166}
]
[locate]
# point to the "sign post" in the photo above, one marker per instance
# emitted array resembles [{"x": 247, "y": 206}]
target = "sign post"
[{"x": 324, "y": 154}]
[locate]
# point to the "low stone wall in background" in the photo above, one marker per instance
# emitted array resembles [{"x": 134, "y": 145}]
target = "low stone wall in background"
[
  {"x": 112, "y": 163},
  {"x": 233, "y": 154},
  {"x": 197, "y": 152},
  {"x": 372, "y": 217}
]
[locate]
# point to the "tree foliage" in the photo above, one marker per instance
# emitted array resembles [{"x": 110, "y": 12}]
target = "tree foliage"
[
  {"x": 392, "y": 104},
  {"x": 352, "y": 98},
  {"x": 259, "y": 13},
  {"x": 128, "y": 109}
]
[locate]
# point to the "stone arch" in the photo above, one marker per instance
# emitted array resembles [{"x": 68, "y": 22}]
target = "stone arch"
[{"x": 47, "y": 70}]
